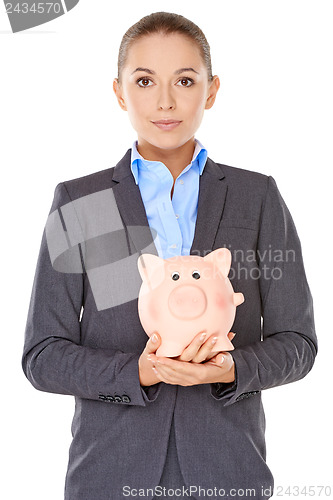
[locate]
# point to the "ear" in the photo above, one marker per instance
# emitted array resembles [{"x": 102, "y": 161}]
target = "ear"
[
  {"x": 238, "y": 299},
  {"x": 221, "y": 258},
  {"x": 212, "y": 91},
  {"x": 119, "y": 94},
  {"x": 148, "y": 264}
]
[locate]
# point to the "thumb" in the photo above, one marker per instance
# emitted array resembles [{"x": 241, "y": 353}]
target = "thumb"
[
  {"x": 153, "y": 343},
  {"x": 231, "y": 335}
]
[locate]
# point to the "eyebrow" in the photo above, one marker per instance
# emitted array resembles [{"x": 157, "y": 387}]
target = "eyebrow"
[{"x": 151, "y": 72}]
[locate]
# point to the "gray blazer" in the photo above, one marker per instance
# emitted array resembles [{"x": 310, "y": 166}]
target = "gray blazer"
[{"x": 76, "y": 345}]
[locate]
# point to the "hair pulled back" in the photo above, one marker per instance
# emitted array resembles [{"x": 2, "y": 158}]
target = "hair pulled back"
[{"x": 164, "y": 23}]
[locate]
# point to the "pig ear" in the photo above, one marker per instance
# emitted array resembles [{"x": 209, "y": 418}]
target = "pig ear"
[
  {"x": 238, "y": 299},
  {"x": 221, "y": 258},
  {"x": 147, "y": 264}
]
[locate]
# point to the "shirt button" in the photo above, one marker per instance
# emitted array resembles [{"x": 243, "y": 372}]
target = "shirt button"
[
  {"x": 174, "y": 246},
  {"x": 177, "y": 216},
  {"x": 181, "y": 182}
]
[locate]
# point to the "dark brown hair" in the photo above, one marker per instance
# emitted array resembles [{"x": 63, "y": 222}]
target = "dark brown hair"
[{"x": 164, "y": 23}]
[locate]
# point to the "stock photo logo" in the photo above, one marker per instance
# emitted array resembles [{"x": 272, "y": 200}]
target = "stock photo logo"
[{"x": 28, "y": 14}]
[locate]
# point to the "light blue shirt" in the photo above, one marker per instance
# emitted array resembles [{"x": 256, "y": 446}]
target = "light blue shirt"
[{"x": 173, "y": 220}]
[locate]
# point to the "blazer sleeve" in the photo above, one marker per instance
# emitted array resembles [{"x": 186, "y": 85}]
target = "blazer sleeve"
[
  {"x": 288, "y": 347},
  {"x": 54, "y": 359}
]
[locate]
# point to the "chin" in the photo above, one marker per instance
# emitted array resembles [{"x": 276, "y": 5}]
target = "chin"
[{"x": 169, "y": 142}]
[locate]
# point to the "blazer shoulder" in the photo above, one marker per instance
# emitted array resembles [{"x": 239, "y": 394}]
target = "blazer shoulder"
[
  {"x": 88, "y": 184},
  {"x": 97, "y": 181},
  {"x": 244, "y": 182},
  {"x": 237, "y": 174}
]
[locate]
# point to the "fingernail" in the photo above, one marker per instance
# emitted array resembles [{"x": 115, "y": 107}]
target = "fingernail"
[
  {"x": 154, "y": 338},
  {"x": 214, "y": 340},
  {"x": 202, "y": 336},
  {"x": 149, "y": 357},
  {"x": 221, "y": 360}
]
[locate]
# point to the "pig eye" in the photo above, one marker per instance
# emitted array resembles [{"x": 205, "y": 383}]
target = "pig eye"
[
  {"x": 175, "y": 276},
  {"x": 196, "y": 275}
]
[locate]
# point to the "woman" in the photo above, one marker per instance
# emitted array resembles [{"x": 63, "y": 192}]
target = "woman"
[{"x": 193, "y": 425}]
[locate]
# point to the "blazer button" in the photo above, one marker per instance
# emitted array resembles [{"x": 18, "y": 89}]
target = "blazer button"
[
  {"x": 246, "y": 395},
  {"x": 114, "y": 399},
  {"x": 106, "y": 397}
]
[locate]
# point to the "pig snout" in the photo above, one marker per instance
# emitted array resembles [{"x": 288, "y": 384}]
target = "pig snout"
[{"x": 187, "y": 302}]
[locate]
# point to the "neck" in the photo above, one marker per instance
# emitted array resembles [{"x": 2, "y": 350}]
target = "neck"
[{"x": 174, "y": 159}]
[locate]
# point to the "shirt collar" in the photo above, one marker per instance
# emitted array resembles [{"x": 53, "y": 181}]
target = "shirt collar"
[{"x": 200, "y": 154}]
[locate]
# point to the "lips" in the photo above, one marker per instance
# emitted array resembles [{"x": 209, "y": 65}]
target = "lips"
[{"x": 167, "y": 124}]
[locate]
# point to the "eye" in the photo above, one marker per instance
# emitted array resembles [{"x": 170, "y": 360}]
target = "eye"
[
  {"x": 185, "y": 79},
  {"x": 196, "y": 275},
  {"x": 143, "y": 79},
  {"x": 175, "y": 276}
]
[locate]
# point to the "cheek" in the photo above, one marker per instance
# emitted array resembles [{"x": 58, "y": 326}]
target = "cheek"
[
  {"x": 219, "y": 301},
  {"x": 195, "y": 111},
  {"x": 153, "y": 310},
  {"x": 196, "y": 99},
  {"x": 137, "y": 104},
  {"x": 135, "y": 112}
]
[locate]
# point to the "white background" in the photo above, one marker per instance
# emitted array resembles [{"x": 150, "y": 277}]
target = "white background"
[{"x": 60, "y": 120}]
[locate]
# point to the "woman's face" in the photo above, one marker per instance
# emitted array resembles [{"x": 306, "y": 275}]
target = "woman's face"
[{"x": 157, "y": 86}]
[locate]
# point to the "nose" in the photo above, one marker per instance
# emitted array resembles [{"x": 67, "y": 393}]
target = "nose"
[
  {"x": 166, "y": 99},
  {"x": 187, "y": 302}
]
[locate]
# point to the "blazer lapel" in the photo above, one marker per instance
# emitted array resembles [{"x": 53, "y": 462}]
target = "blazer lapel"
[
  {"x": 131, "y": 208},
  {"x": 212, "y": 194}
]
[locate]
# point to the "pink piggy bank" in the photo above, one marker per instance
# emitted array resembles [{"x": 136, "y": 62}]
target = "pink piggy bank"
[{"x": 185, "y": 295}]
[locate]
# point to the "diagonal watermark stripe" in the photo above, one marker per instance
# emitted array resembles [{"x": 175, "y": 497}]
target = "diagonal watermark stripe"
[
  {"x": 88, "y": 235},
  {"x": 27, "y": 14}
]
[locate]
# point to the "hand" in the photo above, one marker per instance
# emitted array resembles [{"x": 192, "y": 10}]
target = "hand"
[
  {"x": 186, "y": 373},
  {"x": 147, "y": 376},
  {"x": 219, "y": 368},
  {"x": 200, "y": 349}
]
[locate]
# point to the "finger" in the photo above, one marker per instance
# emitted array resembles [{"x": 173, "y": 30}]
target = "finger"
[
  {"x": 171, "y": 376},
  {"x": 191, "y": 350},
  {"x": 152, "y": 357},
  {"x": 163, "y": 373},
  {"x": 153, "y": 343},
  {"x": 163, "y": 377},
  {"x": 219, "y": 360},
  {"x": 211, "y": 355},
  {"x": 205, "y": 350},
  {"x": 174, "y": 368},
  {"x": 168, "y": 363},
  {"x": 222, "y": 359},
  {"x": 184, "y": 373},
  {"x": 224, "y": 353},
  {"x": 170, "y": 367}
]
